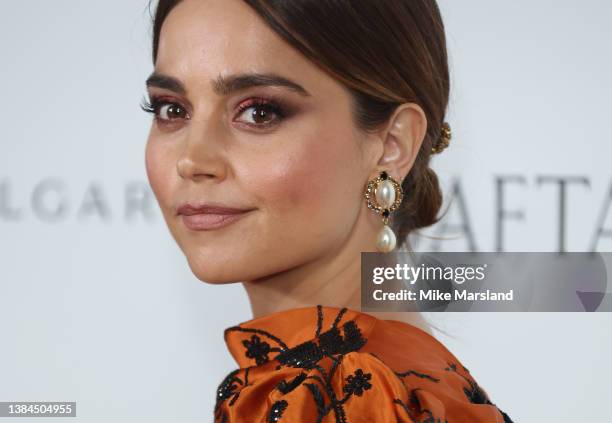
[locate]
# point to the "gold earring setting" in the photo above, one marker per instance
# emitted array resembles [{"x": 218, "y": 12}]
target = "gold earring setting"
[{"x": 384, "y": 195}]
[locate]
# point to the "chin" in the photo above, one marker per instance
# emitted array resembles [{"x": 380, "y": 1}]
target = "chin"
[
  {"x": 215, "y": 265},
  {"x": 211, "y": 272}
]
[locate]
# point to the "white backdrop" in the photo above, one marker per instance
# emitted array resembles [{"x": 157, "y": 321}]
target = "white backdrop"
[{"x": 98, "y": 305}]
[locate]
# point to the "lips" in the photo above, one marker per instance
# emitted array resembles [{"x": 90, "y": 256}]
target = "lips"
[
  {"x": 210, "y": 216},
  {"x": 190, "y": 209}
]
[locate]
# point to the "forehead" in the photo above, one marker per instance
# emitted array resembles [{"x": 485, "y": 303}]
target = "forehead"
[{"x": 211, "y": 37}]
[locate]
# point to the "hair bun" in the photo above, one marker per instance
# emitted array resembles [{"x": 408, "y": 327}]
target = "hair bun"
[{"x": 444, "y": 140}]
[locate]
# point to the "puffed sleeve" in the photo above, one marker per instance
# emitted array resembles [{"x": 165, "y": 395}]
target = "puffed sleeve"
[
  {"x": 360, "y": 387},
  {"x": 363, "y": 370}
]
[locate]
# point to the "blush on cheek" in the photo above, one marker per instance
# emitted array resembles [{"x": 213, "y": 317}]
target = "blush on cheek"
[
  {"x": 304, "y": 183},
  {"x": 304, "y": 193},
  {"x": 313, "y": 178}
]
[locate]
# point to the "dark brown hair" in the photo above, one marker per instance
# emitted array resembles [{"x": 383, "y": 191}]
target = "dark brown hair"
[{"x": 386, "y": 52}]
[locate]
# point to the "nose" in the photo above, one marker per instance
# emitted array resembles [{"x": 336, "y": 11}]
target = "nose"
[{"x": 202, "y": 156}]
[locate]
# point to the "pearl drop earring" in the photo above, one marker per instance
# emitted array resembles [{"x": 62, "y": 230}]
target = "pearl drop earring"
[{"x": 384, "y": 195}]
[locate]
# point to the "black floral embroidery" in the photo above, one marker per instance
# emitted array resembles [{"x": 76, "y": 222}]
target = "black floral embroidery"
[
  {"x": 357, "y": 383},
  {"x": 452, "y": 367},
  {"x": 286, "y": 387},
  {"x": 332, "y": 344},
  {"x": 305, "y": 355},
  {"x": 276, "y": 412},
  {"x": 417, "y": 374},
  {"x": 228, "y": 386},
  {"x": 228, "y": 389},
  {"x": 409, "y": 372},
  {"x": 474, "y": 393},
  {"x": 257, "y": 349},
  {"x": 415, "y": 410}
]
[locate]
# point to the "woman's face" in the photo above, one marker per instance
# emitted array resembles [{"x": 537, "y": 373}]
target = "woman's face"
[{"x": 296, "y": 160}]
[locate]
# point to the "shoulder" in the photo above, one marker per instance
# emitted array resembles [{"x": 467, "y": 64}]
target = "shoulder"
[
  {"x": 436, "y": 382},
  {"x": 352, "y": 387},
  {"x": 359, "y": 369}
]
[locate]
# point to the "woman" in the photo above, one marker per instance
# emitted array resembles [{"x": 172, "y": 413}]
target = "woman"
[{"x": 270, "y": 120}]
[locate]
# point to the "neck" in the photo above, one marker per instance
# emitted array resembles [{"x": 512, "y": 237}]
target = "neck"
[{"x": 331, "y": 279}]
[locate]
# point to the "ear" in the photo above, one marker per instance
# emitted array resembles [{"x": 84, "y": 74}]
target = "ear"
[{"x": 402, "y": 138}]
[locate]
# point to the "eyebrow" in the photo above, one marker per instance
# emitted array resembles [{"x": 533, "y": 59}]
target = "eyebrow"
[{"x": 225, "y": 85}]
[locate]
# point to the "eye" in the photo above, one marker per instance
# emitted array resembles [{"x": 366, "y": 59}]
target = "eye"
[
  {"x": 164, "y": 111},
  {"x": 170, "y": 111},
  {"x": 260, "y": 112}
]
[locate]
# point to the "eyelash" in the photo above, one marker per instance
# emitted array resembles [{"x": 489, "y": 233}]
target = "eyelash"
[{"x": 272, "y": 104}]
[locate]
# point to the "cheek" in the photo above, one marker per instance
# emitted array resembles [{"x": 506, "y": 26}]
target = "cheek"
[
  {"x": 158, "y": 168},
  {"x": 151, "y": 165},
  {"x": 317, "y": 181}
]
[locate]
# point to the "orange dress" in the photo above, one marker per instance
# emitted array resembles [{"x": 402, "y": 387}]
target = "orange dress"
[{"x": 325, "y": 364}]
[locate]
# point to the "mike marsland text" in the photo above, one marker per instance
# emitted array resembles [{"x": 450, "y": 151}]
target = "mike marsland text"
[{"x": 437, "y": 295}]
